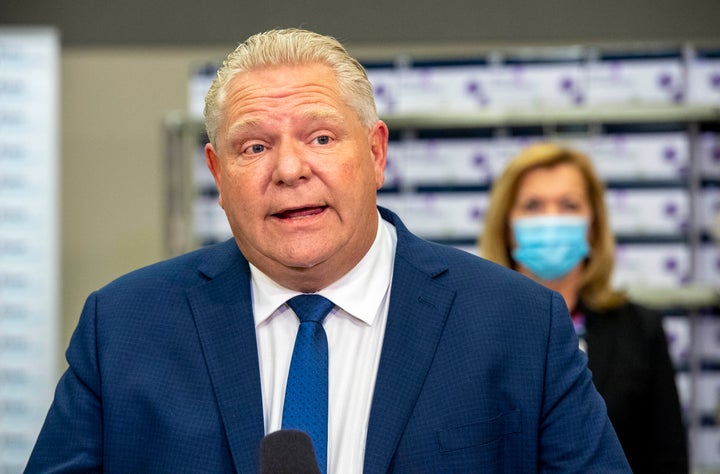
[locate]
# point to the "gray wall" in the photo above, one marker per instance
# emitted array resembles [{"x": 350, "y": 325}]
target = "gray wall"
[{"x": 212, "y": 22}]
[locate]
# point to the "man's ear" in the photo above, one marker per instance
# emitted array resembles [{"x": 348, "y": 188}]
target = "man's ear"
[
  {"x": 213, "y": 163},
  {"x": 378, "y": 147}
]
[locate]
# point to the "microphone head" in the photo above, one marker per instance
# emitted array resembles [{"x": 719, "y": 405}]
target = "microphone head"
[{"x": 288, "y": 452}]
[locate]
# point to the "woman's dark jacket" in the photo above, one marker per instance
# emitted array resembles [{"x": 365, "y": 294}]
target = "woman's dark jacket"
[{"x": 632, "y": 370}]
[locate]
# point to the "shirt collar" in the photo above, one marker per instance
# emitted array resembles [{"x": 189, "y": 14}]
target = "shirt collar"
[{"x": 359, "y": 292}]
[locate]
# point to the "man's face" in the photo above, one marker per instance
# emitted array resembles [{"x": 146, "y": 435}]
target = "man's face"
[{"x": 297, "y": 174}]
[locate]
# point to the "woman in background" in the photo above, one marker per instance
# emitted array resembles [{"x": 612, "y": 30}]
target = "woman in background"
[{"x": 547, "y": 219}]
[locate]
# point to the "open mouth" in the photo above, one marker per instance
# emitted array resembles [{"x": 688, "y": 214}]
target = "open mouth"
[{"x": 300, "y": 212}]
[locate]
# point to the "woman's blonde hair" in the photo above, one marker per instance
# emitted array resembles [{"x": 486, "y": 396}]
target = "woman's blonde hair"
[
  {"x": 293, "y": 47},
  {"x": 495, "y": 241}
]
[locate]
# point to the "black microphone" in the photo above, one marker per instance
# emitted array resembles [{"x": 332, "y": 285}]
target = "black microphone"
[{"x": 288, "y": 452}]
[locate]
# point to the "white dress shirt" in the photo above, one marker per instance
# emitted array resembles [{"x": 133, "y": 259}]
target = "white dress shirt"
[{"x": 355, "y": 329}]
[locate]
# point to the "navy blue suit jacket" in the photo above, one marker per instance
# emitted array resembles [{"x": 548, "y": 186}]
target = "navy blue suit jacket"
[{"x": 480, "y": 371}]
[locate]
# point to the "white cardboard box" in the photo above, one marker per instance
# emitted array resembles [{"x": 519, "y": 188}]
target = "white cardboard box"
[
  {"x": 708, "y": 154},
  {"x": 635, "y": 81},
  {"x": 703, "y": 72},
  {"x": 648, "y": 212},
  {"x": 437, "y": 216},
  {"x": 453, "y": 161},
  {"x": 523, "y": 85},
  {"x": 651, "y": 265},
  {"x": 637, "y": 156},
  {"x": 438, "y": 89}
]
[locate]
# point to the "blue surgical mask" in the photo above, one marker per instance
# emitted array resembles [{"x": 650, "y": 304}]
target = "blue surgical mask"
[{"x": 550, "y": 245}]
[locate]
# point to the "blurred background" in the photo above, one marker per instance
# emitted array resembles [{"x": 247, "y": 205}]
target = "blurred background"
[{"x": 125, "y": 79}]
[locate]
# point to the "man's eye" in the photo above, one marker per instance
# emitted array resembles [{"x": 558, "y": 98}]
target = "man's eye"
[
  {"x": 323, "y": 140},
  {"x": 256, "y": 148}
]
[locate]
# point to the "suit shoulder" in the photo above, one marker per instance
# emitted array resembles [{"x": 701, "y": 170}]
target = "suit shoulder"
[
  {"x": 466, "y": 271},
  {"x": 457, "y": 268},
  {"x": 182, "y": 270}
]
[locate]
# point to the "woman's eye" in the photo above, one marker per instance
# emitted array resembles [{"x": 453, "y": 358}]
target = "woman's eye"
[
  {"x": 570, "y": 206},
  {"x": 531, "y": 205}
]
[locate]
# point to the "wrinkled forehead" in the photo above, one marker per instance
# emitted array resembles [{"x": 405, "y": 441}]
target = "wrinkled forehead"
[{"x": 280, "y": 77}]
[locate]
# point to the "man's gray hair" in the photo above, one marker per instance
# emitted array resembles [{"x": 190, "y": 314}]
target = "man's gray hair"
[{"x": 292, "y": 46}]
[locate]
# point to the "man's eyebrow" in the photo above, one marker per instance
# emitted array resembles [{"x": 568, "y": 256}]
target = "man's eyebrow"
[{"x": 242, "y": 125}]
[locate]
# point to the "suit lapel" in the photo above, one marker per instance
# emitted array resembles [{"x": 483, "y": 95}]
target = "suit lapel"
[
  {"x": 419, "y": 307},
  {"x": 222, "y": 310}
]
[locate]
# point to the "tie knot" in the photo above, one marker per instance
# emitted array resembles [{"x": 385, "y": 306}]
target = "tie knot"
[{"x": 310, "y": 308}]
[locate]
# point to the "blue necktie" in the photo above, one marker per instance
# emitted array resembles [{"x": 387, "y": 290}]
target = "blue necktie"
[{"x": 306, "y": 395}]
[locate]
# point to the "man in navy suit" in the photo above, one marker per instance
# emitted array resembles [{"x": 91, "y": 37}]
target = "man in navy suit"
[{"x": 439, "y": 361}]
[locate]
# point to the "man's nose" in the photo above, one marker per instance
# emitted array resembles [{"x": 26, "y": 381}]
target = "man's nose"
[{"x": 291, "y": 163}]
